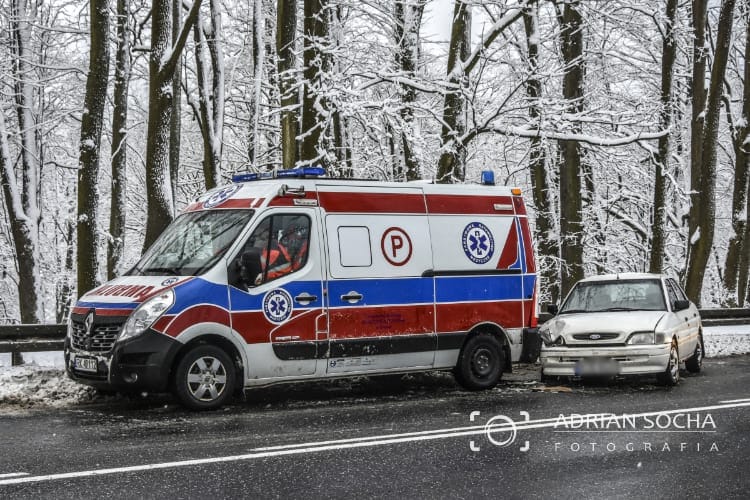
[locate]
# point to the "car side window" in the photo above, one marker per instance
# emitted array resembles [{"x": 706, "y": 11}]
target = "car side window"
[
  {"x": 678, "y": 290},
  {"x": 277, "y": 247},
  {"x": 671, "y": 293}
]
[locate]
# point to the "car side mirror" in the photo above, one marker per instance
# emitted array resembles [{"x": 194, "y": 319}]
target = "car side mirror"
[
  {"x": 681, "y": 305},
  {"x": 250, "y": 266},
  {"x": 552, "y": 309}
]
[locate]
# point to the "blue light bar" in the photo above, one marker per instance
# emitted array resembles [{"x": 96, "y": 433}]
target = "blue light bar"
[
  {"x": 294, "y": 172},
  {"x": 488, "y": 178}
]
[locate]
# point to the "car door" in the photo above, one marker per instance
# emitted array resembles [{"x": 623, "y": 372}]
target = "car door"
[
  {"x": 276, "y": 294},
  {"x": 690, "y": 317}
]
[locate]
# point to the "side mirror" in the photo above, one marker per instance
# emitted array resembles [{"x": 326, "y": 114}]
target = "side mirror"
[
  {"x": 552, "y": 309},
  {"x": 250, "y": 266},
  {"x": 681, "y": 305}
]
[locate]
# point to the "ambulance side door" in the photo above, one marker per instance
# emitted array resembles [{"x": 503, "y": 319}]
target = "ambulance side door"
[
  {"x": 381, "y": 303},
  {"x": 276, "y": 293}
]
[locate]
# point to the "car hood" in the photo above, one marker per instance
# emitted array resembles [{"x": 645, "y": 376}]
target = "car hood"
[{"x": 621, "y": 322}]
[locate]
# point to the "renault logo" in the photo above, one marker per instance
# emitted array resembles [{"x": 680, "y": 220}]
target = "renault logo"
[
  {"x": 595, "y": 336},
  {"x": 87, "y": 324}
]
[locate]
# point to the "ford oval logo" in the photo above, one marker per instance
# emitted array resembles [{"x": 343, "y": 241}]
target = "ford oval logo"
[{"x": 595, "y": 336}]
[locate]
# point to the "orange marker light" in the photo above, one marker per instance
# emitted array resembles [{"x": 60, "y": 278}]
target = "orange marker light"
[{"x": 516, "y": 191}]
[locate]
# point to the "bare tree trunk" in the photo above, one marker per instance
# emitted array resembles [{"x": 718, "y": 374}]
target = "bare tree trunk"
[
  {"x": 259, "y": 26},
  {"x": 316, "y": 62},
  {"x": 286, "y": 31},
  {"x": 175, "y": 126},
  {"x": 701, "y": 241},
  {"x": 162, "y": 64},
  {"x": 208, "y": 41},
  {"x": 408, "y": 21},
  {"x": 571, "y": 223},
  {"x": 698, "y": 92},
  {"x": 548, "y": 250},
  {"x": 738, "y": 242},
  {"x": 22, "y": 204},
  {"x": 119, "y": 142},
  {"x": 661, "y": 160},
  {"x": 451, "y": 166},
  {"x": 91, "y": 136}
]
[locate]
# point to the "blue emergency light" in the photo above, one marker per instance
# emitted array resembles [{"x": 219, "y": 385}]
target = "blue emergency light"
[
  {"x": 488, "y": 178},
  {"x": 279, "y": 174}
]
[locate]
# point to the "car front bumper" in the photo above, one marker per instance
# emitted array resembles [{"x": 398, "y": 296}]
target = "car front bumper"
[
  {"x": 629, "y": 360},
  {"x": 139, "y": 364}
]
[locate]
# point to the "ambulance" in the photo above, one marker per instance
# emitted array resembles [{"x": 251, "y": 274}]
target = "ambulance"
[{"x": 290, "y": 276}]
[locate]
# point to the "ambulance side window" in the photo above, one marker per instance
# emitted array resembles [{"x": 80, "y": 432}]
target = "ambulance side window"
[
  {"x": 354, "y": 246},
  {"x": 277, "y": 247}
]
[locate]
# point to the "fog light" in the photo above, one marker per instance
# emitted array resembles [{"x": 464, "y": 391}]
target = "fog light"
[{"x": 130, "y": 379}]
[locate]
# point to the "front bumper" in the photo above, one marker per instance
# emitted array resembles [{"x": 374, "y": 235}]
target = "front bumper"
[
  {"x": 630, "y": 360},
  {"x": 140, "y": 364}
]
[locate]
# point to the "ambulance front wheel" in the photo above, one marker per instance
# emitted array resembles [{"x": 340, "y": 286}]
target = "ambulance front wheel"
[
  {"x": 480, "y": 364},
  {"x": 204, "y": 378}
]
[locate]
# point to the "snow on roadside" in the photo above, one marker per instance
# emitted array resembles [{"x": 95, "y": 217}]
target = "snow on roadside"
[
  {"x": 43, "y": 381},
  {"x": 726, "y": 340}
]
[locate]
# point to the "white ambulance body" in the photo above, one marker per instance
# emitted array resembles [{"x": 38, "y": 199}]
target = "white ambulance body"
[{"x": 289, "y": 279}]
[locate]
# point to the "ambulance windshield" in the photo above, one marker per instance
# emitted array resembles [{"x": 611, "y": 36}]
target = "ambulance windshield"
[{"x": 193, "y": 243}]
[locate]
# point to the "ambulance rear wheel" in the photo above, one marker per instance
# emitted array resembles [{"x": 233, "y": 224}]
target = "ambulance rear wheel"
[
  {"x": 205, "y": 378},
  {"x": 480, "y": 364}
]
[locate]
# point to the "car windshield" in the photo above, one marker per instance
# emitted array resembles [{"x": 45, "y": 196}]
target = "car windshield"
[
  {"x": 193, "y": 243},
  {"x": 620, "y": 295}
]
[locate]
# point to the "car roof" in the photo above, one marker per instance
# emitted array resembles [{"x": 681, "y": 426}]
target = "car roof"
[{"x": 623, "y": 276}]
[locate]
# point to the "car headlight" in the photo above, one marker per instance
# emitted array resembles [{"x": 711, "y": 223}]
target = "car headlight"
[
  {"x": 145, "y": 315},
  {"x": 641, "y": 338},
  {"x": 69, "y": 332}
]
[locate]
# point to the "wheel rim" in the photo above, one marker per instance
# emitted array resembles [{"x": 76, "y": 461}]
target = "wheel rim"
[
  {"x": 207, "y": 378},
  {"x": 674, "y": 364},
  {"x": 482, "y": 362}
]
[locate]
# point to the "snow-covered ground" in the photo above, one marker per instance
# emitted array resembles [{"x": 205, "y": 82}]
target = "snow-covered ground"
[{"x": 42, "y": 380}]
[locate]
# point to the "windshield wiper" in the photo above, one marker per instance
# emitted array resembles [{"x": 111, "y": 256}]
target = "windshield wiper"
[
  {"x": 620, "y": 309},
  {"x": 567, "y": 311},
  {"x": 170, "y": 271}
]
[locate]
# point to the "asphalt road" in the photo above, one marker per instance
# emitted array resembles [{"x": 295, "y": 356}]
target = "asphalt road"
[{"x": 412, "y": 439}]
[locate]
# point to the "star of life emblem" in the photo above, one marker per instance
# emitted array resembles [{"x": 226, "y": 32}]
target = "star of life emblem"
[
  {"x": 277, "y": 306},
  {"x": 478, "y": 243}
]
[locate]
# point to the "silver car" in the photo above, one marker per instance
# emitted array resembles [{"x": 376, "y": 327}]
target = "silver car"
[{"x": 623, "y": 324}]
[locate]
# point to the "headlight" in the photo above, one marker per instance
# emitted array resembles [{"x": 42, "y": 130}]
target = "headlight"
[
  {"x": 641, "y": 338},
  {"x": 70, "y": 327},
  {"x": 145, "y": 315}
]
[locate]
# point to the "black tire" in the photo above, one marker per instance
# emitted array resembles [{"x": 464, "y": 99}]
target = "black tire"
[
  {"x": 671, "y": 374},
  {"x": 695, "y": 362},
  {"x": 205, "y": 378},
  {"x": 546, "y": 379},
  {"x": 481, "y": 362}
]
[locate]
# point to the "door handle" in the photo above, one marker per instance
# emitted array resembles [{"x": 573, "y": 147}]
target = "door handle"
[
  {"x": 305, "y": 298},
  {"x": 352, "y": 297}
]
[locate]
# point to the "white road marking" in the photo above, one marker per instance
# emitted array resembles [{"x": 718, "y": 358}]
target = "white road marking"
[
  {"x": 362, "y": 442},
  {"x": 736, "y": 400},
  {"x": 13, "y": 474}
]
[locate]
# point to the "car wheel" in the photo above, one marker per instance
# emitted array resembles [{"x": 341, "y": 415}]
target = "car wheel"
[
  {"x": 695, "y": 362},
  {"x": 480, "y": 364},
  {"x": 671, "y": 374},
  {"x": 204, "y": 378}
]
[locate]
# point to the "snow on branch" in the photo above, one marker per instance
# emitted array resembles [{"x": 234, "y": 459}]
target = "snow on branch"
[
  {"x": 588, "y": 139},
  {"x": 169, "y": 61},
  {"x": 500, "y": 25}
]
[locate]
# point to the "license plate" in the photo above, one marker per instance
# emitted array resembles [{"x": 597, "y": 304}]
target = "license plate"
[
  {"x": 597, "y": 367},
  {"x": 86, "y": 364}
]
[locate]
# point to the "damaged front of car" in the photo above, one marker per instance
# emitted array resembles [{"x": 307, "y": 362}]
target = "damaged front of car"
[{"x": 610, "y": 327}]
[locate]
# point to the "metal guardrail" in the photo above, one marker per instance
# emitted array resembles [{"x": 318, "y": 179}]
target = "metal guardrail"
[{"x": 17, "y": 339}]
